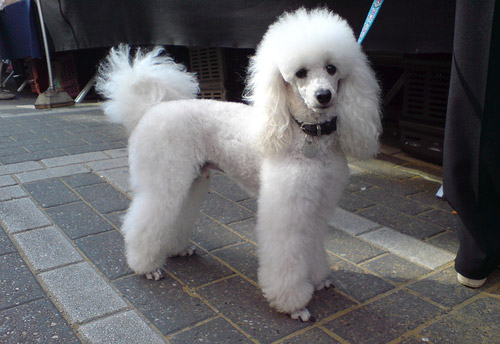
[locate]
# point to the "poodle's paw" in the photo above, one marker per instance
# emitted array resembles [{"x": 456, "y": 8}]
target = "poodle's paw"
[
  {"x": 325, "y": 284},
  {"x": 156, "y": 275},
  {"x": 302, "y": 315},
  {"x": 190, "y": 251}
]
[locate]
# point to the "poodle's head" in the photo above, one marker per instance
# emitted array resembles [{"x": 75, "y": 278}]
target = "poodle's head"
[{"x": 309, "y": 66}]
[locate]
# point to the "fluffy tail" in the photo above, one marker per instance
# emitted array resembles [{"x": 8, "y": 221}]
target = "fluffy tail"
[{"x": 132, "y": 85}]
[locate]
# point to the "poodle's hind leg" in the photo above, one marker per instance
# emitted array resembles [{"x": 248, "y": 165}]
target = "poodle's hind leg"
[{"x": 158, "y": 226}]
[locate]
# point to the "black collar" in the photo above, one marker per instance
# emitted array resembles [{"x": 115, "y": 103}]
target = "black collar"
[{"x": 325, "y": 128}]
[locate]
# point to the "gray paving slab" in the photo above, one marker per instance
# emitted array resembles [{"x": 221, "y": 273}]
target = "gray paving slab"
[
  {"x": 78, "y": 220},
  {"x": 410, "y": 248},
  {"x": 81, "y": 293},
  {"x": 107, "y": 252},
  {"x": 119, "y": 177},
  {"x": 46, "y": 248},
  {"x": 116, "y": 153},
  {"x": 74, "y": 159},
  {"x": 108, "y": 164},
  {"x": 242, "y": 257},
  {"x": 6, "y": 245},
  {"x": 315, "y": 335},
  {"x": 385, "y": 319},
  {"x": 21, "y": 214},
  {"x": 211, "y": 235},
  {"x": 51, "y": 192},
  {"x": 244, "y": 305},
  {"x": 11, "y": 192},
  {"x": 17, "y": 283},
  {"x": 164, "y": 303},
  {"x": 127, "y": 327},
  {"x": 104, "y": 198},
  {"x": 37, "y": 321},
  {"x": 356, "y": 282},
  {"x": 26, "y": 177},
  {"x": 394, "y": 268},
  {"x": 351, "y": 223},
  {"x": 82, "y": 179},
  {"x": 224, "y": 210},
  {"x": 7, "y": 181},
  {"x": 20, "y": 167},
  {"x": 476, "y": 323},
  {"x": 214, "y": 331}
]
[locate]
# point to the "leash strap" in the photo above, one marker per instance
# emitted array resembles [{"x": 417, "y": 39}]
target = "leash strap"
[{"x": 370, "y": 18}]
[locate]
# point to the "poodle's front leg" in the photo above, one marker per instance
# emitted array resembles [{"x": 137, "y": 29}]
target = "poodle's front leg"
[{"x": 285, "y": 244}]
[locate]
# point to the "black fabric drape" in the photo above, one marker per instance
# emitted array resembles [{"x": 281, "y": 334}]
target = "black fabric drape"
[{"x": 471, "y": 166}]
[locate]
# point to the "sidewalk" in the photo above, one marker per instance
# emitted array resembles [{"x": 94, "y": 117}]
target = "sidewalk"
[{"x": 64, "y": 279}]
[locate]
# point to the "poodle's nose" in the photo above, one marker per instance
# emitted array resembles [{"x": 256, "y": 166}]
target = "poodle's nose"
[{"x": 323, "y": 96}]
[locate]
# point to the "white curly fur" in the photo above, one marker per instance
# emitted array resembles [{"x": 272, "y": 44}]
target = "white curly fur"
[{"x": 176, "y": 139}]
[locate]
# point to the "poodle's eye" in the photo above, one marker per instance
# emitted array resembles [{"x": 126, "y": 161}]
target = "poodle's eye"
[
  {"x": 331, "y": 69},
  {"x": 301, "y": 73}
]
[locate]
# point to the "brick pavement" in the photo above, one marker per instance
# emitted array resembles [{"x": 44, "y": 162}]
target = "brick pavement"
[{"x": 64, "y": 279}]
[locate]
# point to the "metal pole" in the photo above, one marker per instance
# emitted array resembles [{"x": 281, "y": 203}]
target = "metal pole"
[{"x": 45, "y": 44}]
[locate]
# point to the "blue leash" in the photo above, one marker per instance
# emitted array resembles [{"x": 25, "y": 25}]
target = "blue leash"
[{"x": 370, "y": 18}]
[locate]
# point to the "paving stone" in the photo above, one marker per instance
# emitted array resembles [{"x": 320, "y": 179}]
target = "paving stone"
[
  {"x": 394, "y": 268},
  {"x": 384, "y": 319},
  {"x": 17, "y": 283},
  {"x": 78, "y": 220},
  {"x": 96, "y": 147},
  {"x": 215, "y": 331},
  {"x": 35, "y": 322},
  {"x": 60, "y": 143},
  {"x": 431, "y": 199},
  {"x": 250, "y": 204},
  {"x": 405, "y": 224},
  {"x": 74, "y": 159},
  {"x": 21, "y": 214},
  {"x": 117, "y": 153},
  {"x": 6, "y": 245},
  {"x": 328, "y": 302},
  {"x": 104, "y": 198},
  {"x": 211, "y": 235},
  {"x": 478, "y": 322},
  {"x": 443, "y": 288},
  {"x": 119, "y": 177},
  {"x": 163, "y": 302},
  {"x": 242, "y": 257},
  {"x": 355, "y": 282},
  {"x": 81, "y": 293},
  {"x": 126, "y": 327},
  {"x": 228, "y": 188},
  {"x": 312, "y": 336},
  {"x": 46, "y": 248},
  {"x": 353, "y": 202},
  {"x": 396, "y": 202},
  {"x": 447, "y": 241},
  {"x": 26, "y": 177},
  {"x": 351, "y": 223},
  {"x": 441, "y": 218},
  {"x": 196, "y": 270},
  {"x": 246, "y": 228},
  {"x": 41, "y": 323},
  {"x": 393, "y": 185},
  {"x": 12, "y": 151},
  {"x": 108, "y": 164},
  {"x": 224, "y": 210},
  {"x": 107, "y": 251},
  {"x": 6, "y": 181},
  {"x": 116, "y": 218},
  {"x": 20, "y": 167},
  {"x": 83, "y": 179},
  {"x": 11, "y": 192},
  {"x": 32, "y": 156},
  {"x": 51, "y": 192},
  {"x": 244, "y": 304},
  {"x": 387, "y": 169},
  {"x": 410, "y": 248},
  {"x": 349, "y": 247}
]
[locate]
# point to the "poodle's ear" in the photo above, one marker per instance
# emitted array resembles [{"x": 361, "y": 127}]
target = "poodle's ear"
[
  {"x": 359, "y": 113},
  {"x": 266, "y": 91}
]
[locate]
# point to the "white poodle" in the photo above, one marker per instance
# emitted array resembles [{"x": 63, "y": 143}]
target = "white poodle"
[{"x": 314, "y": 98}]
